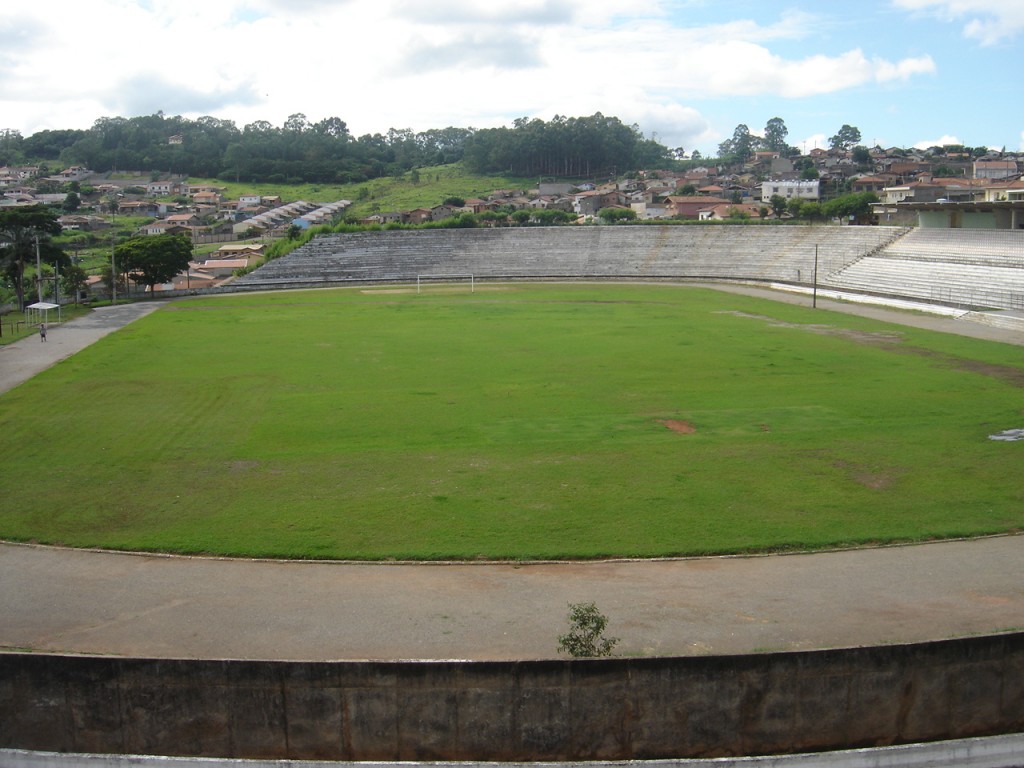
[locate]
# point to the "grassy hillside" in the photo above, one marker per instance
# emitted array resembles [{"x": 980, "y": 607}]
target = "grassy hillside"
[
  {"x": 526, "y": 421},
  {"x": 387, "y": 194}
]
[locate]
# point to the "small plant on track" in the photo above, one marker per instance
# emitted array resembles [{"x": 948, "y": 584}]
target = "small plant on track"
[{"x": 585, "y": 638}]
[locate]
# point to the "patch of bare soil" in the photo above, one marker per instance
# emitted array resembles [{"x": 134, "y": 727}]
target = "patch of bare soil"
[
  {"x": 862, "y": 337},
  {"x": 1014, "y": 376},
  {"x": 679, "y": 426},
  {"x": 874, "y": 479}
]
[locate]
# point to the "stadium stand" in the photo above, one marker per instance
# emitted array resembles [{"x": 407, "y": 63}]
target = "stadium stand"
[
  {"x": 974, "y": 268},
  {"x": 959, "y": 267}
]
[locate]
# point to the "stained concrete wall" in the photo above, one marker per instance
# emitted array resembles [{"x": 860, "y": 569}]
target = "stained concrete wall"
[{"x": 613, "y": 709}]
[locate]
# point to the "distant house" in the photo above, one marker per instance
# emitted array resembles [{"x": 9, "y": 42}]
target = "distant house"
[
  {"x": 419, "y": 215},
  {"x": 871, "y": 183},
  {"x": 139, "y": 208},
  {"x": 183, "y": 219},
  {"x": 476, "y": 205},
  {"x": 690, "y": 206},
  {"x": 74, "y": 173},
  {"x": 994, "y": 169},
  {"x": 589, "y": 203},
  {"x": 206, "y": 198},
  {"x": 249, "y": 201},
  {"x": 83, "y": 223},
  {"x": 164, "y": 227},
  {"x": 238, "y": 250},
  {"x": 389, "y": 217},
  {"x": 914, "y": 192},
  {"x": 163, "y": 188},
  {"x": 223, "y": 267},
  {"x": 645, "y": 210},
  {"x": 790, "y": 189},
  {"x": 1005, "y": 191},
  {"x": 724, "y": 211},
  {"x": 176, "y": 139}
]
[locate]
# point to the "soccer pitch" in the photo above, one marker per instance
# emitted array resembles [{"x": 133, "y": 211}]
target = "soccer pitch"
[{"x": 521, "y": 421}]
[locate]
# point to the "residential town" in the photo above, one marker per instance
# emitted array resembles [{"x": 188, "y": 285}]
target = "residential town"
[{"x": 770, "y": 186}]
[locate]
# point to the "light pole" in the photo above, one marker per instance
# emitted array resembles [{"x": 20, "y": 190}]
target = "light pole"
[{"x": 814, "y": 301}]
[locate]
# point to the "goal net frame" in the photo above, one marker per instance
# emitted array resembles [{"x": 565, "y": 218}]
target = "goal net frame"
[{"x": 444, "y": 278}]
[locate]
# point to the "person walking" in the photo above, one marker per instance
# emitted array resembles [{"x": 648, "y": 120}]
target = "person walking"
[{"x": 42, "y": 331}]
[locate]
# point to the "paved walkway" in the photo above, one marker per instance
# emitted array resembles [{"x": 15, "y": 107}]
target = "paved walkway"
[
  {"x": 23, "y": 359},
  {"x": 125, "y": 604}
]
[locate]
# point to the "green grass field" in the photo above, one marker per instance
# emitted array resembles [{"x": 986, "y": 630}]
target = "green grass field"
[{"x": 524, "y": 421}]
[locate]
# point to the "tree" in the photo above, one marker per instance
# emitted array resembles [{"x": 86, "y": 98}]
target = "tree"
[
  {"x": 855, "y": 206},
  {"x": 585, "y": 637},
  {"x": 72, "y": 202},
  {"x": 740, "y": 147},
  {"x": 775, "y": 133},
  {"x": 152, "y": 259},
  {"x": 73, "y": 280},
  {"x": 687, "y": 190},
  {"x": 19, "y": 229},
  {"x": 811, "y": 210},
  {"x": 861, "y": 155},
  {"x": 847, "y": 137},
  {"x": 615, "y": 215},
  {"x": 108, "y": 278},
  {"x": 778, "y": 204}
]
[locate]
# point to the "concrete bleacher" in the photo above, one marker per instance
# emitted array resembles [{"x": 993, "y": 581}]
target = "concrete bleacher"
[
  {"x": 961, "y": 268},
  {"x": 758, "y": 253},
  {"x": 966, "y": 268}
]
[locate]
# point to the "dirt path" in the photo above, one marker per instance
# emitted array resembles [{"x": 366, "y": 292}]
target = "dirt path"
[{"x": 97, "y": 602}]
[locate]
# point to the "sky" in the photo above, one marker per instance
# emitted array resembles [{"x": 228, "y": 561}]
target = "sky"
[{"x": 686, "y": 72}]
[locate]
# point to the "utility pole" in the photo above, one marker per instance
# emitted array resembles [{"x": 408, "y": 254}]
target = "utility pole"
[
  {"x": 113, "y": 248},
  {"x": 39, "y": 274}
]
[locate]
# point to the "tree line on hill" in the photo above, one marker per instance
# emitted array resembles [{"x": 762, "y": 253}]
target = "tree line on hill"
[
  {"x": 326, "y": 152},
  {"x": 564, "y": 146}
]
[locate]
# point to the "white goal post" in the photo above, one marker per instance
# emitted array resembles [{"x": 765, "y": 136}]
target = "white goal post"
[{"x": 435, "y": 278}]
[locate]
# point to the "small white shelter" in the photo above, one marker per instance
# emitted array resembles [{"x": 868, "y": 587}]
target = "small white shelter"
[{"x": 40, "y": 312}]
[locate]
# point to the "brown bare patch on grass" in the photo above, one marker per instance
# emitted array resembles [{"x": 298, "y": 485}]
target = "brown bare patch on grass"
[
  {"x": 869, "y": 478},
  {"x": 678, "y": 426}
]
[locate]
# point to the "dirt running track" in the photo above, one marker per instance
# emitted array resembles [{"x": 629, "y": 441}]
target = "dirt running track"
[{"x": 98, "y": 602}]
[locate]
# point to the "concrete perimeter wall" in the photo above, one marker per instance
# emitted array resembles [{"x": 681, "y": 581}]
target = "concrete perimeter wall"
[{"x": 612, "y": 709}]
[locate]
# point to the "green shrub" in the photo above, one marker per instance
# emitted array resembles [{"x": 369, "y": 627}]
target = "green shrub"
[{"x": 585, "y": 638}]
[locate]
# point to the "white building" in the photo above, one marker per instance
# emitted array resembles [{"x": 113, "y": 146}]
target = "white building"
[{"x": 804, "y": 189}]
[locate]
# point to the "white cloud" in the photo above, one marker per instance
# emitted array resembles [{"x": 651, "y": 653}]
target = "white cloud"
[
  {"x": 988, "y": 21},
  {"x": 942, "y": 141},
  {"x": 379, "y": 64},
  {"x": 814, "y": 141}
]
